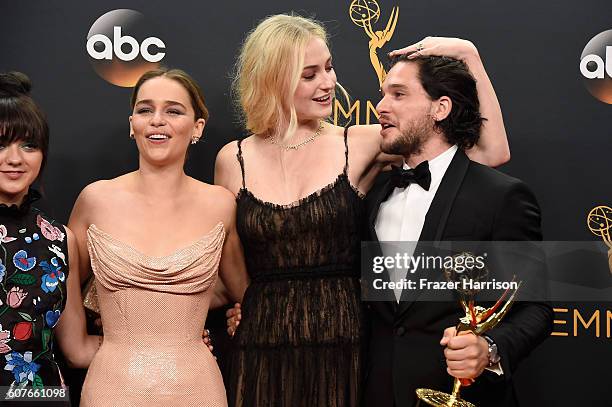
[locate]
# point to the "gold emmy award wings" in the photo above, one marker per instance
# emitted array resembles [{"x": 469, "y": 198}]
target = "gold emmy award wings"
[{"x": 363, "y": 13}]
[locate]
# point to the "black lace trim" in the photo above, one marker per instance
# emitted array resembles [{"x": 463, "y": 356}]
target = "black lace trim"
[
  {"x": 302, "y": 201},
  {"x": 13, "y": 209}
]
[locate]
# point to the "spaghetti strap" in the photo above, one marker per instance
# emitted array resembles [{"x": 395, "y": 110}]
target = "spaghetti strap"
[
  {"x": 345, "y": 171},
  {"x": 241, "y": 161}
]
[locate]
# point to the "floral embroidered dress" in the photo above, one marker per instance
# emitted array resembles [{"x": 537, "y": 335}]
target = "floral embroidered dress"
[{"x": 33, "y": 271}]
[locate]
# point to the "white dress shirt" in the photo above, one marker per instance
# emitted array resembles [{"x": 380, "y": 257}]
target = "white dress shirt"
[{"x": 402, "y": 216}]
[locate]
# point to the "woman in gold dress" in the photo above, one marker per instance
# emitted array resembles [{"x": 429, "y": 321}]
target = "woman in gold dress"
[{"x": 155, "y": 239}]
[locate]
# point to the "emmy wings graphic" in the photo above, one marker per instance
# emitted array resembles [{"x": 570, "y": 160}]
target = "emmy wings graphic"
[
  {"x": 365, "y": 12},
  {"x": 599, "y": 221}
]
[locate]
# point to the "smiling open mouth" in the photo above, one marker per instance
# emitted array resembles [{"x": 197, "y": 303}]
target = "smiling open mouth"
[
  {"x": 322, "y": 99},
  {"x": 158, "y": 137}
]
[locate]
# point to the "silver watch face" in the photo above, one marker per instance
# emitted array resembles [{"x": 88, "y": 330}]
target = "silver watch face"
[{"x": 493, "y": 356}]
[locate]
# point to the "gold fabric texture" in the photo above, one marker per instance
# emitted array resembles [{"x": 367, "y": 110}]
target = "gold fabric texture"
[
  {"x": 90, "y": 296},
  {"x": 153, "y": 311}
]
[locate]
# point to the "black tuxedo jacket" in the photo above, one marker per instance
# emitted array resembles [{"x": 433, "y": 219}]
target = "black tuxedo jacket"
[{"x": 472, "y": 203}]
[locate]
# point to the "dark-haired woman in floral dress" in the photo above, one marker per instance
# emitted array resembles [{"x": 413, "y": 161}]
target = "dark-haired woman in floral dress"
[{"x": 39, "y": 297}]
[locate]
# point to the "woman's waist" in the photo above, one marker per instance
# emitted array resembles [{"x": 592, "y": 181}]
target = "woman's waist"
[
  {"x": 152, "y": 343},
  {"x": 159, "y": 359},
  {"x": 155, "y": 369}
]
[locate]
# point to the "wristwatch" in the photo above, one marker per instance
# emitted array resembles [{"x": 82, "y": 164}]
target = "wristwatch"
[{"x": 494, "y": 357}]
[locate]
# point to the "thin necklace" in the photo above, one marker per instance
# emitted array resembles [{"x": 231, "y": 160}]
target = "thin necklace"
[{"x": 288, "y": 147}]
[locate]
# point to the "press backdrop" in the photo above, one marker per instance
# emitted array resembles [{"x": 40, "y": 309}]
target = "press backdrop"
[{"x": 559, "y": 132}]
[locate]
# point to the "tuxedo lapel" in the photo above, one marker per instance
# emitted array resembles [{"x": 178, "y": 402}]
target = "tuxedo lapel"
[
  {"x": 437, "y": 216},
  {"x": 378, "y": 194},
  {"x": 441, "y": 206}
]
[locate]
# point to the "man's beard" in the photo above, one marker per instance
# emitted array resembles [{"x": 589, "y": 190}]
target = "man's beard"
[{"x": 410, "y": 141}]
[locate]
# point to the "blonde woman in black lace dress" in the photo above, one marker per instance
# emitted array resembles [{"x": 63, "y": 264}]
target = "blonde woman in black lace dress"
[{"x": 299, "y": 182}]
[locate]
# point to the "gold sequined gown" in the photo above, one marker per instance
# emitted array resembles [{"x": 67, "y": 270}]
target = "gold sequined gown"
[{"x": 153, "y": 312}]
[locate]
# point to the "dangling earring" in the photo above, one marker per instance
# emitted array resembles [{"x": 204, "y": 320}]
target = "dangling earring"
[{"x": 194, "y": 140}]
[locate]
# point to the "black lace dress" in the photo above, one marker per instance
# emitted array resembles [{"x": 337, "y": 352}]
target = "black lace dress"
[
  {"x": 33, "y": 273},
  {"x": 298, "y": 343}
]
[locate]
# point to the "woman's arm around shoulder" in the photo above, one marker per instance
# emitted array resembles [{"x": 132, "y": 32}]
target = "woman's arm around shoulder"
[
  {"x": 78, "y": 347},
  {"x": 232, "y": 269},
  {"x": 365, "y": 158},
  {"x": 492, "y": 148}
]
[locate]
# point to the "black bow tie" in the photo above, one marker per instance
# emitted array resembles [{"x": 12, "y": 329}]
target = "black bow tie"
[{"x": 401, "y": 178}]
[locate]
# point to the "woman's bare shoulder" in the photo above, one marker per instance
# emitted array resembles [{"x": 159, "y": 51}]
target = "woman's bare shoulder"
[
  {"x": 205, "y": 190},
  {"x": 102, "y": 188},
  {"x": 229, "y": 152},
  {"x": 365, "y": 133},
  {"x": 215, "y": 201}
]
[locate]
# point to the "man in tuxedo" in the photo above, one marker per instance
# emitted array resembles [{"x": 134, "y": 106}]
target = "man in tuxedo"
[{"x": 430, "y": 116}]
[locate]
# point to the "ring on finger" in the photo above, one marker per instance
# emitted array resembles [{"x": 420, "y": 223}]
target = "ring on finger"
[{"x": 420, "y": 47}]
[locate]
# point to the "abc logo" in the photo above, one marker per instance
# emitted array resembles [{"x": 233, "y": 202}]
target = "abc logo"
[
  {"x": 596, "y": 66},
  {"x": 121, "y": 48}
]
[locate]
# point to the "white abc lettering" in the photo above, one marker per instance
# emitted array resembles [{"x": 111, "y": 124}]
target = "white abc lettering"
[
  {"x": 118, "y": 41},
  {"x": 144, "y": 49},
  {"x": 106, "y": 53},
  {"x": 602, "y": 66},
  {"x": 609, "y": 61}
]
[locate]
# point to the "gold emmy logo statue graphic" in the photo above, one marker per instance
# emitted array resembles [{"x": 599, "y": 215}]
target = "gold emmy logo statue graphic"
[
  {"x": 477, "y": 320},
  {"x": 599, "y": 221},
  {"x": 365, "y": 12}
]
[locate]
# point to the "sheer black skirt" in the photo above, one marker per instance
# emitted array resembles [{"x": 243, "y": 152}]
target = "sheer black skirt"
[{"x": 298, "y": 344}]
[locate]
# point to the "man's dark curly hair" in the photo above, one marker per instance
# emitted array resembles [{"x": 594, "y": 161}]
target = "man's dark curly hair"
[{"x": 443, "y": 76}]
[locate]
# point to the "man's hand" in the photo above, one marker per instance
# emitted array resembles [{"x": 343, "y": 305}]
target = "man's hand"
[
  {"x": 467, "y": 355},
  {"x": 233, "y": 316},
  {"x": 207, "y": 340}
]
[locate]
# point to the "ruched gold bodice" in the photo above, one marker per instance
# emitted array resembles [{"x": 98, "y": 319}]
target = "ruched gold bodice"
[{"x": 153, "y": 312}]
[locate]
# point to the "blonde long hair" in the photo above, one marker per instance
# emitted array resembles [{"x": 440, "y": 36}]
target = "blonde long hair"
[{"x": 268, "y": 70}]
